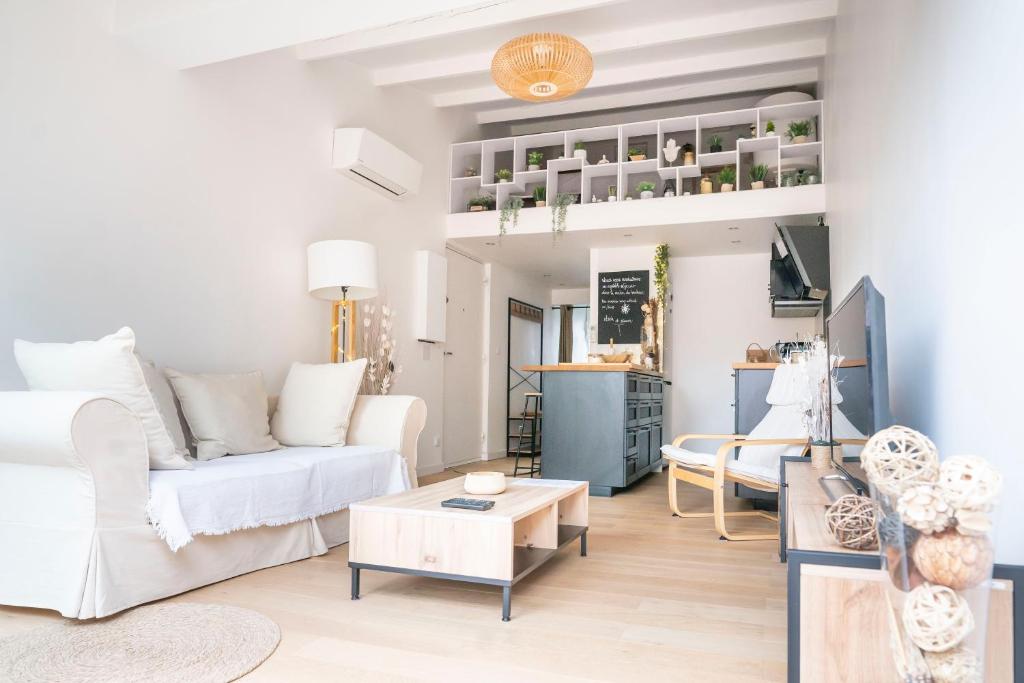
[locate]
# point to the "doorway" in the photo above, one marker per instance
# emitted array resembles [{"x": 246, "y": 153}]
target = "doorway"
[
  {"x": 463, "y": 361},
  {"x": 525, "y": 347}
]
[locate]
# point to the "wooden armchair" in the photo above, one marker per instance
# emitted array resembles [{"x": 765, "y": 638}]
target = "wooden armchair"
[{"x": 713, "y": 478}]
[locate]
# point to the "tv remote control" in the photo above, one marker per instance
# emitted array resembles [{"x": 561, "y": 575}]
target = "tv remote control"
[{"x": 468, "y": 504}]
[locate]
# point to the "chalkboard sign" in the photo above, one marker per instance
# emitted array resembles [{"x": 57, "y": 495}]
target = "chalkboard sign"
[{"x": 619, "y": 298}]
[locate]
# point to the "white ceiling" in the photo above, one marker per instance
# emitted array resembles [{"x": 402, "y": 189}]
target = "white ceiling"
[
  {"x": 565, "y": 261},
  {"x": 645, "y": 51}
]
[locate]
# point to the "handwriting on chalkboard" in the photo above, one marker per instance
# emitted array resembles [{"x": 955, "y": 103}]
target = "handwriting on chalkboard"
[{"x": 619, "y": 298}]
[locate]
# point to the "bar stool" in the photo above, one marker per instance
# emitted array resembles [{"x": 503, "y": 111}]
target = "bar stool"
[{"x": 528, "y": 441}]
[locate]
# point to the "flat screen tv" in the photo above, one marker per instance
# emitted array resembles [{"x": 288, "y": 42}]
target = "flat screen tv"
[{"x": 856, "y": 331}]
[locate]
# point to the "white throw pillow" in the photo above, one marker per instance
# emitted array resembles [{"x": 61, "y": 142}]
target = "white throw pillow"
[
  {"x": 164, "y": 397},
  {"x": 316, "y": 403},
  {"x": 226, "y": 413},
  {"x": 107, "y": 366}
]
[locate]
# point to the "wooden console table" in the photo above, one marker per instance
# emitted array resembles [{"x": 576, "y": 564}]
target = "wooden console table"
[{"x": 837, "y": 629}]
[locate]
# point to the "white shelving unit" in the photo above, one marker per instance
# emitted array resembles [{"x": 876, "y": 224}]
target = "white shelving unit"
[{"x": 740, "y": 150}]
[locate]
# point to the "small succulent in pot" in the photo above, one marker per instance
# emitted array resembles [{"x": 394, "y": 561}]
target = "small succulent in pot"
[
  {"x": 798, "y": 131},
  {"x": 636, "y": 154},
  {"x": 470, "y": 172},
  {"x": 646, "y": 190},
  {"x": 534, "y": 160},
  {"x": 579, "y": 151},
  {"x": 758, "y": 173},
  {"x": 769, "y": 129},
  {"x": 727, "y": 178},
  {"x": 715, "y": 143},
  {"x": 484, "y": 202},
  {"x": 540, "y": 194},
  {"x": 504, "y": 175}
]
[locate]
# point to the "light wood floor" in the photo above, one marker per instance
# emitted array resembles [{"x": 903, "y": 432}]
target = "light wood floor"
[{"x": 658, "y": 599}]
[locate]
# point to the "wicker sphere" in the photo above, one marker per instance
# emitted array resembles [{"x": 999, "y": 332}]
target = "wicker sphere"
[
  {"x": 969, "y": 482},
  {"x": 924, "y": 507},
  {"x": 936, "y": 618},
  {"x": 954, "y": 560},
  {"x": 898, "y": 457},
  {"x": 959, "y": 665},
  {"x": 852, "y": 522}
]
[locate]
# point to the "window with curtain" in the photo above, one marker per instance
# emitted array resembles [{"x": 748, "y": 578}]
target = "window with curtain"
[{"x": 571, "y": 324}]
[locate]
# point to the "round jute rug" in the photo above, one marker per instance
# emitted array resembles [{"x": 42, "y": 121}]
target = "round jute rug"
[{"x": 181, "y": 641}]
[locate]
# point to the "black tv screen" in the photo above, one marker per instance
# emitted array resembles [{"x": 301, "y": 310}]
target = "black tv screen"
[{"x": 856, "y": 331}]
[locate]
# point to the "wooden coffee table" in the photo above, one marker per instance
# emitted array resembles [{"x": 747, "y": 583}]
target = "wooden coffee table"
[{"x": 410, "y": 533}]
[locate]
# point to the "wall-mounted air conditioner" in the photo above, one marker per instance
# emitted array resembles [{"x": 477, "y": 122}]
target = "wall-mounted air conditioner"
[{"x": 369, "y": 159}]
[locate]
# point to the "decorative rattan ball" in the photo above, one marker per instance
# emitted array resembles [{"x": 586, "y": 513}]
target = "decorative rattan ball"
[
  {"x": 892, "y": 531},
  {"x": 936, "y": 618},
  {"x": 969, "y": 482},
  {"x": 959, "y": 665},
  {"x": 898, "y": 457},
  {"x": 924, "y": 507},
  {"x": 954, "y": 560},
  {"x": 851, "y": 520},
  {"x": 973, "y": 522}
]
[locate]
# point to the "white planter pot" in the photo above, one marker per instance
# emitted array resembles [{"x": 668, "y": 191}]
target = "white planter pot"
[
  {"x": 503, "y": 180},
  {"x": 533, "y": 167},
  {"x": 770, "y": 134},
  {"x": 541, "y": 203},
  {"x": 799, "y": 140},
  {"x": 579, "y": 154},
  {"x": 757, "y": 185},
  {"x": 726, "y": 187},
  {"x": 647, "y": 194}
]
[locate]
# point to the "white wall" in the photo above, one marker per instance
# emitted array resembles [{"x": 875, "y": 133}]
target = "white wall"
[
  {"x": 502, "y": 284},
  {"x": 924, "y": 104},
  {"x": 181, "y": 203},
  {"x": 719, "y": 306}
]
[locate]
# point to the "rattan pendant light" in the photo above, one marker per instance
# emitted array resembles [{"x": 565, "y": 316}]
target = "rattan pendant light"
[{"x": 540, "y": 67}]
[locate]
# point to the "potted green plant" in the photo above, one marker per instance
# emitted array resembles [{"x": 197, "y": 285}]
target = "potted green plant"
[
  {"x": 646, "y": 190},
  {"x": 534, "y": 159},
  {"x": 470, "y": 172},
  {"x": 798, "y": 131},
  {"x": 715, "y": 143},
  {"x": 540, "y": 195},
  {"x": 769, "y": 129},
  {"x": 579, "y": 151},
  {"x": 636, "y": 154},
  {"x": 688, "y": 157},
  {"x": 483, "y": 202},
  {"x": 613, "y": 193},
  {"x": 504, "y": 175},
  {"x": 727, "y": 179},
  {"x": 758, "y": 172}
]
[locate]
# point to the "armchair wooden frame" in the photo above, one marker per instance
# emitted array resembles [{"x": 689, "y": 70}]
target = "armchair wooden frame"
[{"x": 714, "y": 478}]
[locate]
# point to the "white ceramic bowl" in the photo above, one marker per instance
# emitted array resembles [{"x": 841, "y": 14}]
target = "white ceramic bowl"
[{"x": 484, "y": 483}]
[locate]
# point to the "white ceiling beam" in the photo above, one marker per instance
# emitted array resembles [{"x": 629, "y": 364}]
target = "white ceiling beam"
[
  {"x": 662, "y": 33},
  {"x": 654, "y": 71},
  {"x": 207, "y": 31},
  {"x": 689, "y": 91},
  {"x": 481, "y": 16}
]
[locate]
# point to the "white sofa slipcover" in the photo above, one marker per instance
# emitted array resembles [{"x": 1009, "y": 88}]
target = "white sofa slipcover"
[{"x": 73, "y": 493}]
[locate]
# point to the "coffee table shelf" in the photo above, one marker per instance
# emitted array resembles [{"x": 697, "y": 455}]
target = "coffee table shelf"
[{"x": 529, "y": 523}]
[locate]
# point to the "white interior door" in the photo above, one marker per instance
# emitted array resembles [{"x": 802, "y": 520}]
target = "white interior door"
[{"x": 463, "y": 361}]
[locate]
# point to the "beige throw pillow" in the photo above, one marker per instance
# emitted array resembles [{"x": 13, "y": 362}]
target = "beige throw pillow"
[
  {"x": 316, "y": 403},
  {"x": 164, "y": 397},
  {"x": 107, "y": 366},
  {"x": 227, "y": 414}
]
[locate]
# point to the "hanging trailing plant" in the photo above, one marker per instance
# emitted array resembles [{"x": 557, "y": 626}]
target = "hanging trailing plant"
[
  {"x": 509, "y": 212},
  {"x": 559, "y": 210},
  {"x": 661, "y": 272}
]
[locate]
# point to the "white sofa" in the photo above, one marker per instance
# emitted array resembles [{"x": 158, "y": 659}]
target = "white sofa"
[{"x": 74, "y": 489}]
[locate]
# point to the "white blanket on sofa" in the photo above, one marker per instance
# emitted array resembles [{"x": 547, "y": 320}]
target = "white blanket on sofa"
[{"x": 268, "y": 489}]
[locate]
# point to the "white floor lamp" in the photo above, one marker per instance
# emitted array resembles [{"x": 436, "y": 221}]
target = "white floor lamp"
[{"x": 342, "y": 271}]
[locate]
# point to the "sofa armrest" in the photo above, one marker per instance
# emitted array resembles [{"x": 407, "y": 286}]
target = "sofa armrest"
[
  {"x": 391, "y": 421},
  {"x": 71, "y": 459}
]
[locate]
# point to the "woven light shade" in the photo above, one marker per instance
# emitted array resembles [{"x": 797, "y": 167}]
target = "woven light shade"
[{"x": 541, "y": 67}]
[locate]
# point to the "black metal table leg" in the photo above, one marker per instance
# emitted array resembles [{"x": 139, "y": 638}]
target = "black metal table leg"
[
  {"x": 355, "y": 583},
  {"x": 583, "y": 544},
  {"x": 506, "y": 602}
]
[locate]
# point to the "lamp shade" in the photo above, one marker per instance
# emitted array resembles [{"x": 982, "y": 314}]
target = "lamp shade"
[{"x": 333, "y": 264}]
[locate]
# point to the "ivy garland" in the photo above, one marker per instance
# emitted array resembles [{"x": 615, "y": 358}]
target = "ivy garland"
[
  {"x": 559, "y": 210},
  {"x": 661, "y": 273},
  {"x": 509, "y": 211}
]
